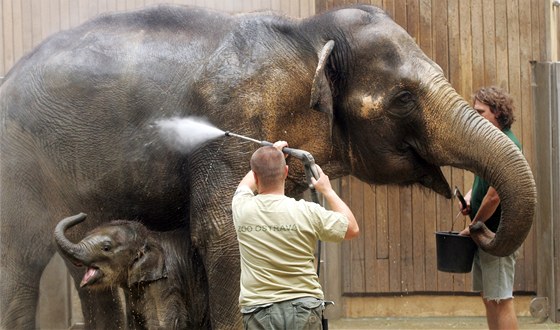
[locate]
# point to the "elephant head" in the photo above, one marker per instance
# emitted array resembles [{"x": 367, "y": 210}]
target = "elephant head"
[
  {"x": 119, "y": 253},
  {"x": 396, "y": 119}
]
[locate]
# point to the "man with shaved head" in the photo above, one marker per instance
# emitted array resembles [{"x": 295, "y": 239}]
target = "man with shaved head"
[{"x": 277, "y": 238}]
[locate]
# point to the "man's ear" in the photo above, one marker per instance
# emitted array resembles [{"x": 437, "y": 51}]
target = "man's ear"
[
  {"x": 256, "y": 179},
  {"x": 148, "y": 266}
]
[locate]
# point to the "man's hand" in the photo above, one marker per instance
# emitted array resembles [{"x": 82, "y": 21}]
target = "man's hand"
[
  {"x": 323, "y": 185},
  {"x": 280, "y": 145}
]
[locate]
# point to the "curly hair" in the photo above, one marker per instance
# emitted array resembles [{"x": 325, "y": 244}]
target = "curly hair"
[{"x": 500, "y": 103}]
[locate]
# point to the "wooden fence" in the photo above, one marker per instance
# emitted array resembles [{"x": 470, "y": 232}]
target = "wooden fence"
[{"x": 25, "y": 23}]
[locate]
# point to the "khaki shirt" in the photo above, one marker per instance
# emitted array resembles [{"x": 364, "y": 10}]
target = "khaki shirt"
[{"x": 277, "y": 239}]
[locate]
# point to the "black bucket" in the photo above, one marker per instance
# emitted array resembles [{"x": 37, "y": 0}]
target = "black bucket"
[{"x": 455, "y": 253}]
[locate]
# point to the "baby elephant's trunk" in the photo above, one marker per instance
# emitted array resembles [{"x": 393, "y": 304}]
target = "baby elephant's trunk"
[{"x": 71, "y": 251}]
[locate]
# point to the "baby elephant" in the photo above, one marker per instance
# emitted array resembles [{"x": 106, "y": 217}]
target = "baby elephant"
[{"x": 149, "y": 266}]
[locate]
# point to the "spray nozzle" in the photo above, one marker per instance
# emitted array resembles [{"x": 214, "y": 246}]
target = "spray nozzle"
[{"x": 306, "y": 158}]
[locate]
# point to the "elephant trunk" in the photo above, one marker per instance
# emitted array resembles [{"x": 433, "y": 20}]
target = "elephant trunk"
[
  {"x": 71, "y": 251},
  {"x": 475, "y": 144},
  {"x": 506, "y": 169}
]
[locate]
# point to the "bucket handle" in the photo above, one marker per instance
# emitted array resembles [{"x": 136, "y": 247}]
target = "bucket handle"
[{"x": 454, "y": 221}]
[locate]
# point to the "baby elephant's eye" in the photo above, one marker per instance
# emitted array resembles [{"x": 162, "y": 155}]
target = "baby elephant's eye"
[{"x": 106, "y": 247}]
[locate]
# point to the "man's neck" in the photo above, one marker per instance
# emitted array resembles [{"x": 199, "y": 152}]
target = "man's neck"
[{"x": 271, "y": 191}]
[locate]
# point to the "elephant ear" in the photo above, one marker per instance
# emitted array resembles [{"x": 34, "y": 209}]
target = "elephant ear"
[
  {"x": 321, "y": 94},
  {"x": 148, "y": 266}
]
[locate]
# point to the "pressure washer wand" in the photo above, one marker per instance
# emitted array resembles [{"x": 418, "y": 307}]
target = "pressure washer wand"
[
  {"x": 263, "y": 143},
  {"x": 304, "y": 156}
]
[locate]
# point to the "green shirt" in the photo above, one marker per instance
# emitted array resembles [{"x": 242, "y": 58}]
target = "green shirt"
[
  {"x": 277, "y": 238},
  {"x": 480, "y": 189}
]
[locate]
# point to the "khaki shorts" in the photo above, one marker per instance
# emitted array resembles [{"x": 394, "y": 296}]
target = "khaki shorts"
[
  {"x": 301, "y": 313},
  {"x": 493, "y": 276}
]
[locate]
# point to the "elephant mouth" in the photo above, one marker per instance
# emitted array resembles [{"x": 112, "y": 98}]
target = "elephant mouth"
[
  {"x": 435, "y": 180},
  {"x": 428, "y": 174},
  {"x": 92, "y": 275}
]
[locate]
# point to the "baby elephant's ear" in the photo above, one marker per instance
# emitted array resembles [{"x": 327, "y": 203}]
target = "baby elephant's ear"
[{"x": 148, "y": 266}]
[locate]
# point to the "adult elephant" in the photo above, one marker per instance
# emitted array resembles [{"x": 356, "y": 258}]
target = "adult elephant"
[{"x": 350, "y": 86}]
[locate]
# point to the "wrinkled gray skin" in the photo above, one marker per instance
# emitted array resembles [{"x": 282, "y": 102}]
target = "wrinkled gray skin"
[
  {"x": 151, "y": 267},
  {"x": 77, "y": 132}
]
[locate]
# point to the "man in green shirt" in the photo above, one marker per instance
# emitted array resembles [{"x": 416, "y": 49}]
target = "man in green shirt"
[
  {"x": 277, "y": 238},
  {"x": 492, "y": 276}
]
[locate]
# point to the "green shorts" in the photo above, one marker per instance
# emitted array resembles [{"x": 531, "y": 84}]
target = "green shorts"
[
  {"x": 493, "y": 276},
  {"x": 301, "y": 313}
]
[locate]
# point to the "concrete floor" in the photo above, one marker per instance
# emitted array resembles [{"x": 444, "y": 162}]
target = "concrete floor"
[
  {"x": 431, "y": 323},
  {"x": 419, "y": 323}
]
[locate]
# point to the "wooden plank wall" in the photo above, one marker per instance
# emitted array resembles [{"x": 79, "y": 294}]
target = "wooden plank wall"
[
  {"x": 25, "y": 23},
  {"x": 476, "y": 43}
]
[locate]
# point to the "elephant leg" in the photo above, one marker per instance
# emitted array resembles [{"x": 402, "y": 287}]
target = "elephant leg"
[
  {"x": 19, "y": 291},
  {"x": 223, "y": 272},
  {"x": 102, "y": 309},
  {"x": 133, "y": 318},
  {"x": 213, "y": 233},
  {"x": 220, "y": 254},
  {"x": 22, "y": 262},
  {"x": 197, "y": 293}
]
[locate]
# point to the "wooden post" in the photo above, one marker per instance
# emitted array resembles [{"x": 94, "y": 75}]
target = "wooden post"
[
  {"x": 552, "y": 14},
  {"x": 546, "y": 89},
  {"x": 331, "y": 274}
]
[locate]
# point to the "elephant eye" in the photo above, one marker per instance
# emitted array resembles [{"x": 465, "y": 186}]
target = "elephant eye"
[
  {"x": 106, "y": 247},
  {"x": 403, "y": 98},
  {"x": 403, "y": 103}
]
